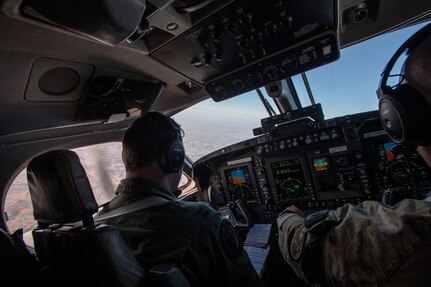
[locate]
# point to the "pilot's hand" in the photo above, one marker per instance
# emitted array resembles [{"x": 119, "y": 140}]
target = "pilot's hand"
[{"x": 294, "y": 209}]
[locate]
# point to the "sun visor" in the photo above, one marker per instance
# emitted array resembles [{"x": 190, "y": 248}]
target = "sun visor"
[
  {"x": 111, "y": 99},
  {"x": 108, "y": 21}
]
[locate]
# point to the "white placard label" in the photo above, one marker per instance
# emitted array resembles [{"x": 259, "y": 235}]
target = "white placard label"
[
  {"x": 247, "y": 159},
  {"x": 338, "y": 149},
  {"x": 374, "y": 134}
]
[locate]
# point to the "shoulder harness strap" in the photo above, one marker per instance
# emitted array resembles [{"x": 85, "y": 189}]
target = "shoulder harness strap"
[{"x": 135, "y": 206}]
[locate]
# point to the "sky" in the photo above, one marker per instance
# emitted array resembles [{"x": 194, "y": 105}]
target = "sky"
[{"x": 346, "y": 86}]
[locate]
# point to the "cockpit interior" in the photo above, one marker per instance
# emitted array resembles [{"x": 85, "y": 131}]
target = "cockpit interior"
[{"x": 78, "y": 73}]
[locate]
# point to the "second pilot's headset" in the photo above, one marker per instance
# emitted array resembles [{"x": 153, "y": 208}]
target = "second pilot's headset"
[
  {"x": 171, "y": 153},
  {"x": 404, "y": 112}
]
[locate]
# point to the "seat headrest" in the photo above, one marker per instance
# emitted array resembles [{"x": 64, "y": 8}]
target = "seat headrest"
[{"x": 59, "y": 188}]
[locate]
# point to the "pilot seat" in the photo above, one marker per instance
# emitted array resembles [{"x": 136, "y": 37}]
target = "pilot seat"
[{"x": 70, "y": 246}]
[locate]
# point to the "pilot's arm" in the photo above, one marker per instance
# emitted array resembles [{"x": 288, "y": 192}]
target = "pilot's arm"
[
  {"x": 300, "y": 241},
  {"x": 364, "y": 245}
]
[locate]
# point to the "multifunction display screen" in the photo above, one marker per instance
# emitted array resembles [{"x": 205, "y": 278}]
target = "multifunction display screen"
[
  {"x": 335, "y": 173},
  {"x": 320, "y": 164},
  {"x": 239, "y": 182},
  {"x": 289, "y": 179},
  {"x": 397, "y": 169}
]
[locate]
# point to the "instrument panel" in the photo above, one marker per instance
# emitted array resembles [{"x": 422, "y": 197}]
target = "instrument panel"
[{"x": 342, "y": 160}]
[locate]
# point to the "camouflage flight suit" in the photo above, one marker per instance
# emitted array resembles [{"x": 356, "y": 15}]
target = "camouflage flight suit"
[
  {"x": 190, "y": 234},
  {"x": 364, "y": 245}
]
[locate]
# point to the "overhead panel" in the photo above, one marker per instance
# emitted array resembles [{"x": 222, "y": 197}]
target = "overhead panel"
[{"x": 250, "y": 43}]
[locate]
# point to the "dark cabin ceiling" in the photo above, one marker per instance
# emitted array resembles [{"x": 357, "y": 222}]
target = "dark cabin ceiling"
[{"x": 25, "y": 40}]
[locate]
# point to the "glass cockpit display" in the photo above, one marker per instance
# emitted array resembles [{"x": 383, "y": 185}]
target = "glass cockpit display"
[
  {"x": 239, "y": 183},
  {"x": 395, "y": 169},
  {"x": 289, "y": 179},
  {"x": 334, "y": 173},
  {"x": 320, "y": 164}
]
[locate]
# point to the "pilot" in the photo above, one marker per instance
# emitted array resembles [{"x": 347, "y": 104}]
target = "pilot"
[
  {"x": 206, "y": 247},
  {"x": 370, "y": 244}
]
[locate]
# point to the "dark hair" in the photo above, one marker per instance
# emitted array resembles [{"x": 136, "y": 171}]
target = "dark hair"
[
  {"x": 143, "y": 139},
  {"x": 418, "y": 68}
]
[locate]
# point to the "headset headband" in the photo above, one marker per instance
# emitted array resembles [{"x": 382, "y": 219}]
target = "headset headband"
[
  {"x": 173, "y": 126},
  {"x": 408, "y": 45}
]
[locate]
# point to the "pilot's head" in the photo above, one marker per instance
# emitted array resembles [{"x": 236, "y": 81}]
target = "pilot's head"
[
  {"x": 153, "y": 149},
  {"x": 409, "y": 117},
  {"x": 417, "y": 69},
  {"x": 417, "y": 72}
]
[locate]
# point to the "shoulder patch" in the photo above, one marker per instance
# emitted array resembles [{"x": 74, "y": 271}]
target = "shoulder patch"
[
  {"x": 297, "y": 244},
  {"x": 231, "y": 240},
  {"x": 316, "y": 218}
]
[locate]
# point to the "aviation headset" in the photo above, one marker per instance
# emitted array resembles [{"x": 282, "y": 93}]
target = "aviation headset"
[
  {"x": 171, "y": 153},
  {"x": 404, "y": 112}
]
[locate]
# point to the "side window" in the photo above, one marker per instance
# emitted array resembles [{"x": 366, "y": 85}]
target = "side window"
[
  {"x": 104, "y": 167},
  {"x": 187, "y": 186},
  {"x": 18, "y": 209}
]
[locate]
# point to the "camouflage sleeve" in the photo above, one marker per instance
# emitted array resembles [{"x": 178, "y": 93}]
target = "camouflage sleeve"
[
  {"x": 291, "y": 225},
  {"x": 355, "y": 245},
  {"x": 299, "y": 240},
  {"x": 376, "y": 239}
]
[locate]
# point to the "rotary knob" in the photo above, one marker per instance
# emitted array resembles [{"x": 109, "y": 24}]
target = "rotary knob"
[
  {"x": 217, "y": 34},
  {"x": 218, "y": 54},
  {"x": 246, "y": 19},
  {"x": 288, "y": 65},
  {"x": 207, "y": 59},
  {"x": 255, "y": 77},
  {"x": 271, "y": 72},
  {"x": 237, "y": 84},
  {"x": 219, "y": 91}
]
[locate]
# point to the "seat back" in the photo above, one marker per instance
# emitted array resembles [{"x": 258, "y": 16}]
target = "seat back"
[
  {"x": 72, "y": 249},
  {"x": 19, "y": 266}
]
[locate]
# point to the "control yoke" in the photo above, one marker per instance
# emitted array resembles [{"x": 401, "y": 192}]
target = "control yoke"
[{"x": 238, "y": 214}]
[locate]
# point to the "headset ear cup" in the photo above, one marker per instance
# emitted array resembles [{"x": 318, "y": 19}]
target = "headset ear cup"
[
  {"x": 176, "y": 156},
  {"x": 404, "y": 115},
  {"x": 392, "y": 117},
  {"x": 172, "y": 156}
]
